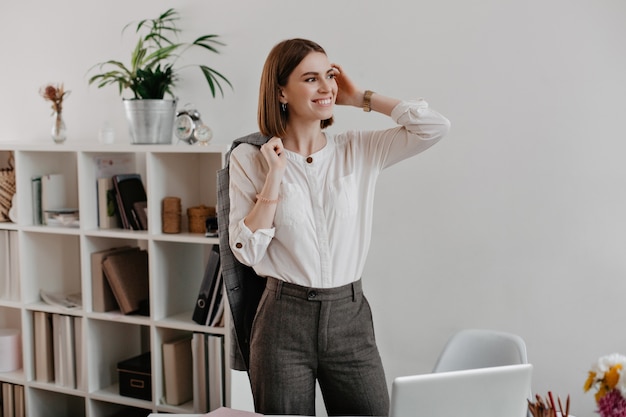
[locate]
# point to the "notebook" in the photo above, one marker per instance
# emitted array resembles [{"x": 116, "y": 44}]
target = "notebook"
[{"x": 500, "y": 391}]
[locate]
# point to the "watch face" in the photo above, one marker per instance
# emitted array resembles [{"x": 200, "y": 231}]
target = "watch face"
[
  {"x": 203, "y": 133},
  {"x": 183, "y": 127}
]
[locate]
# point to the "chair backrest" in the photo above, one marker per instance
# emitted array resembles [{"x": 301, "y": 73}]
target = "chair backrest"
[{"x": 479, "y": 348}]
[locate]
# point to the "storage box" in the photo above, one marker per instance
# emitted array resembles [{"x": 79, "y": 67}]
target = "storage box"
[{"x": 135, "y": 377}]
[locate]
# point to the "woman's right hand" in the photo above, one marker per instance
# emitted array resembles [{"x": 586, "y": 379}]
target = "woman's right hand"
[
  {"x": 262, "y": 214},
  {"x": 274, "y": 153}
]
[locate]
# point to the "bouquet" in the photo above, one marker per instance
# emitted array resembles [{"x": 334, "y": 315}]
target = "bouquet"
[
  {"x": 55, "y": 95},
  {"x": 607, "y": 377}
]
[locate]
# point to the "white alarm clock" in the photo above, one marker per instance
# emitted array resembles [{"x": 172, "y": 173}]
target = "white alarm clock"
[{"x": 189, "y": 128}]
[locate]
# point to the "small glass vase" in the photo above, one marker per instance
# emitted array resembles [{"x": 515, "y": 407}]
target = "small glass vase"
[{"x": 59, "y": 133}]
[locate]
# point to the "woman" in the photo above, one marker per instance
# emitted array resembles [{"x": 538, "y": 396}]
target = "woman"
[{"x": 300, "y": 215}]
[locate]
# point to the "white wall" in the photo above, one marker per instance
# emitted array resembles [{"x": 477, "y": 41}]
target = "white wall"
[{"x": 516, "y": 221}]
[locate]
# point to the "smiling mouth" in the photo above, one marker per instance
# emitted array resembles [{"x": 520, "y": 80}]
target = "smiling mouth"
[{"x": 324, "y": 101}]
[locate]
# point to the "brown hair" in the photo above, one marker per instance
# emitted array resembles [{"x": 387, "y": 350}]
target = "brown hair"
[{"x": 280, "y": 63}]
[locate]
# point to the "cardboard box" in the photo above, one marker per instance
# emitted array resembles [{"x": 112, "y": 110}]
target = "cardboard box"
[{"x": 135, "y": 375}]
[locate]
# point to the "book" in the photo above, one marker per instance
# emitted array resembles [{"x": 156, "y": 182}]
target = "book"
[
  {"x": 107, "y": 216},
  {"x": 64, "y": 353},
  {"x": 127, "y": 274},
  {"x": 9, "y": 265},
  {"x": 8, "y": 407},
  {"x": 81, "y": 380},
  {"x": 177, "y": 371},
  {"x": 36, "y": 196},
  {"x": 19, "y": 405},
  {"x": 105, "y": 167},
  {"x": 102, "y": 297},
  {"x": 209, "y": 366},
  {"x": 207, "y": 287},
  {"x": 140, "y": 208},
  {"x": 44, "y": 354},
  {"x": 200, "y": 361},
  {"x": 128, "y": 191},
  {"x": 216, "y": 380},
  {"x": 5, "y": 267}
]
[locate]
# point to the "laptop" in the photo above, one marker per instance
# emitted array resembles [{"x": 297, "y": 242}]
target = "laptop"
[{"x": 500, "y": 391}]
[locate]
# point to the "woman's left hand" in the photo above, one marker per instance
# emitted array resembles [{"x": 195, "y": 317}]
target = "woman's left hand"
[{"x": 348, "y": 94}]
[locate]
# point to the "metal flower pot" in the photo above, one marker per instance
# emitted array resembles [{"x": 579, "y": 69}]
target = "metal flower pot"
[{"x": 150, "y": 121}]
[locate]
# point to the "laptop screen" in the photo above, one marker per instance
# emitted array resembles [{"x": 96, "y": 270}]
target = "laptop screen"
[{"x": 500, "y": 391}]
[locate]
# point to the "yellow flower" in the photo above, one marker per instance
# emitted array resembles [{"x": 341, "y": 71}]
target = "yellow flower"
[
  {"x": 611, "y": 378},
  {"x": 591, "y": 379},
  {"x": 606, "y": 375}
]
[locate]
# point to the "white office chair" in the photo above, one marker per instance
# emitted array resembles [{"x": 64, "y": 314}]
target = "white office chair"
[{"x": 478, "y": 348}]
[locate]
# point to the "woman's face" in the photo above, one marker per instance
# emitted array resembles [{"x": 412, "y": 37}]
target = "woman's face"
[{"x": 311, "y": 89}]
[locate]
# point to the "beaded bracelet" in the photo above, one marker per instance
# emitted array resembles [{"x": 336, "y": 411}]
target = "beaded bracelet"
[{"x": 264, "y": 200}]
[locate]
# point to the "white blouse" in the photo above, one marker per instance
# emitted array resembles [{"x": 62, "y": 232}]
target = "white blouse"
[{"x": 322, "y": 226}]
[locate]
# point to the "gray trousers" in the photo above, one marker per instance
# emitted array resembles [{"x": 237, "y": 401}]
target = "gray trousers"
[{"x": 301, "y": 335}]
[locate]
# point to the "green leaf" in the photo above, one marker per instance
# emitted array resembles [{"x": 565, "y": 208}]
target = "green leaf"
[{"x": 151, "y": 72}]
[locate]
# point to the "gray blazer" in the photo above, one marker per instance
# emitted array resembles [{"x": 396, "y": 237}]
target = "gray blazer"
[{"x": 243, "y": 286}]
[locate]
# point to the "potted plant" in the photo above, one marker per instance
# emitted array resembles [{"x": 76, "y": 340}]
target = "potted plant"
[{"x": 151, "y": 75}]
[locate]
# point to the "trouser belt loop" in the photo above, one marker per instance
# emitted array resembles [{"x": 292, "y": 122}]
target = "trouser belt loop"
[
  {"x": 279, "y": 288},
  {"x": 353, "y": 292}
]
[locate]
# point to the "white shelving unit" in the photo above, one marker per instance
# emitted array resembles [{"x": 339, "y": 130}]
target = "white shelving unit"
[{"x": 58, "y": 259}]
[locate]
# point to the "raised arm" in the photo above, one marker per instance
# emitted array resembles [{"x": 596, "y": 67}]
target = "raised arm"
[{"x": 351, "y": 95}]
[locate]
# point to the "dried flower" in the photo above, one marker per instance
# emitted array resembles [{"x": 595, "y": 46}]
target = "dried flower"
[{"x": 54, "y": 94}]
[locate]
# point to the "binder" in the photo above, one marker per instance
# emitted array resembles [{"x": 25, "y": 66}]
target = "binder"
[
  {"x": 207, "y": 287},
  {"x": 216, "y": 301}
]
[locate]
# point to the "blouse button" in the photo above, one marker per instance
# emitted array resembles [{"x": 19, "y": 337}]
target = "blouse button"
[
  {"x": 309, "y": 159},
  {"x": 239, "y": 245}
]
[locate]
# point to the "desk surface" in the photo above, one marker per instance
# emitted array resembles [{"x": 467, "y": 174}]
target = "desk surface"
[
  {"x": 219, "y": 412},
  {"x": 224, "y": 412}
]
